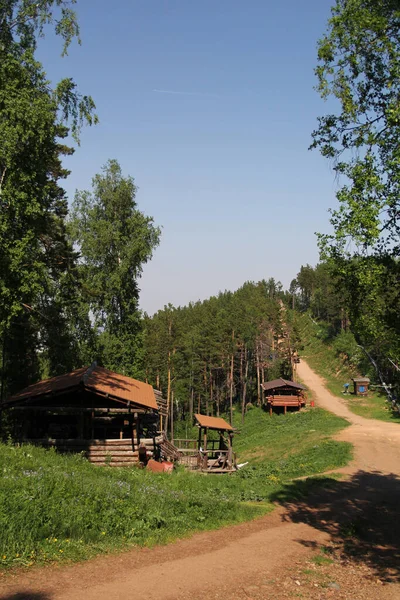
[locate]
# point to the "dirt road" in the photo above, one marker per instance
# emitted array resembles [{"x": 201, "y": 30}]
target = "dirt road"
[
  {"x": 376, "y": 443},
  {"x": 273, "y": 556}
]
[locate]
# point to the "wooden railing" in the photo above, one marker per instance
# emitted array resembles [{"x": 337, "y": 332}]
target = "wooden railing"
[
  {"x": 217, "y": 460},
  {"x": 185, "y": 445}
]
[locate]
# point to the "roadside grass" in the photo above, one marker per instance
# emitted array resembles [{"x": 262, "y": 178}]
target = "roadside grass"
[
  {"x": 62, "y": 508},
  {"x": 327, "y": 362},
  {"x": 374, "y": 406}
]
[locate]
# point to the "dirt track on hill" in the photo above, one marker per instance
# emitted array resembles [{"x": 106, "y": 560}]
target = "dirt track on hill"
[{"x": 272, "y": 557}]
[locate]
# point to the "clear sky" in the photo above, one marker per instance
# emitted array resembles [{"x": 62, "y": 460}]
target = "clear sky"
[{"x": 210, "y": 106}]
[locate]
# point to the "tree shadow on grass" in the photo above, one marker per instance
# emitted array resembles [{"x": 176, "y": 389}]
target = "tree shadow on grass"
[
  {"x": 360, "y": 514},
  {"x": 26, "y": 595}
]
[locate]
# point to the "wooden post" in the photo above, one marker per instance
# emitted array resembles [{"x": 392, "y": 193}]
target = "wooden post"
[
  {"x": 168, "y": 390},
  {"x": 246, "y": 371},
  {"x": 92, "y": 424},
  {"x": 258, "y": 374},
  {"x": 231, "y": 385},
  {"x": 136, "y": 416},
  {"x": 80, "y": 426},
  {"x": 172, "y": 416}
]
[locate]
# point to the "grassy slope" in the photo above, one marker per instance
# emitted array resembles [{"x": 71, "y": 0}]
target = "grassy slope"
[
  {"x": 55, "y": 507},
  {"x": 322, "y": 357}
]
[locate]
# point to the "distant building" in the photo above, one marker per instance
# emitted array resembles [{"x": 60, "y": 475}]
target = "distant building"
[{"x": 283, "y": 393}]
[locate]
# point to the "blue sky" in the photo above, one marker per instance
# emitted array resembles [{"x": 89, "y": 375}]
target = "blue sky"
[{"x": 222, "y": 163}]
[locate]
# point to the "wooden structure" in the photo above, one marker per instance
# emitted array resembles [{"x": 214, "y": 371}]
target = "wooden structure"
[
  {"x": 283, "y": 393},
  {"x": 361, "y": 386},
  {"x": 92, "y": 410},
  {"x": 215, "y": 455}
]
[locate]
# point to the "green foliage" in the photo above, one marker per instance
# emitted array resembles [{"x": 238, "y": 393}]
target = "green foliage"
[
  {"x": 197, "y": 345},
  {"x": 334, "y": 356},
  {"x": 43, "y": 329},
  {"x": 55, "y": 507},
  {"x": 360, "y": 299},
  {"x": 288, "y": 443},
  {"x": 114, "y": 240},
  {"x": 359, "y": 65},
  {"x": 61, "y": 508},
  {"x": 338, "y": 358},
  {"x": 346, "y": 346},
  {"x": 23, "y": 22}
]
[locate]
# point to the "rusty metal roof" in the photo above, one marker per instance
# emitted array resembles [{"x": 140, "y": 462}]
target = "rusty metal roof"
[
  {"x": 96, "y": 379},
  {"x": 48, "y": 386},
  {"x": 213, "y": 422},
  {"x": 279, "y": 383}
]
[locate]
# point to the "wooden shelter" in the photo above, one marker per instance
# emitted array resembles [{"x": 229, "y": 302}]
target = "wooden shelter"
[
  {"x": 215, "y": 455},
  {"x": 283, "y": 393},
  {"x": 92, "y": 410},
  {"x": 361, "y": 386}
]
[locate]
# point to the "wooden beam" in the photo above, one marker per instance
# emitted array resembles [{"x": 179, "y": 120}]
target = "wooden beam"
[{"x": 79, "y": 409}]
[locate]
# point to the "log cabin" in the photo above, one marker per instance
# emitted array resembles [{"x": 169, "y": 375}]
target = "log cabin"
[{"x": 92, "y": 410}]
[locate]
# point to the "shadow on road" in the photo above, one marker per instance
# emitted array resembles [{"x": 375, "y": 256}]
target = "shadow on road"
[
  {"x": 360, "y": 514},
  {"x": 26, "y": 595}
]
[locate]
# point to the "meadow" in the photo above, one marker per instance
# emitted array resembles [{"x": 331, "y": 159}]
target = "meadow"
[{"x": 57, "y": 507}]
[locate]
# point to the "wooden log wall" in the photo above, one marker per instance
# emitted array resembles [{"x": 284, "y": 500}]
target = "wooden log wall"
[{"x": 115, "y": 453}]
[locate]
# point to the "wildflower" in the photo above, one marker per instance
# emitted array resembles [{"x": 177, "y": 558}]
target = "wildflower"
[
  {"x": 4, "y": 557},
  {"x": 103, "y": 533},
  {"x": 61, "y": 551}
]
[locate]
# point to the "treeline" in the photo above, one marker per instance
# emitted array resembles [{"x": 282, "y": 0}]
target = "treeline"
[
  {"x": 360, "y": 300},
  {"x": 209, "y": 356}
]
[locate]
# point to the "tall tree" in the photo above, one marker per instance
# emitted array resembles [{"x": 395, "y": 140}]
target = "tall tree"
[
  {"x": 359, "y": 66},
  {"x": 37, "y": 261},
  {"x": 115, "y": 239}
]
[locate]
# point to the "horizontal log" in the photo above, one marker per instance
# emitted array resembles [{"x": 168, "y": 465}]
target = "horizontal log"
[
  {"x": 116, "y": 464},
  {"x": 82, "y": 409},
  {"x": 92, "y": 442}
]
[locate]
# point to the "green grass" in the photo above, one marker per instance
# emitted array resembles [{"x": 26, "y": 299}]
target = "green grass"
[
  {"x": 61, "y": 508},
  {"x": 374, "y": 406},
  {"x": 272, "y": 439},
  {"x": 336, "y": 370}
]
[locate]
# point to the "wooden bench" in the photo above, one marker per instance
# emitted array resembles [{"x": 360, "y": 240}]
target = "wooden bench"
[{"x": 285, "y": 401}]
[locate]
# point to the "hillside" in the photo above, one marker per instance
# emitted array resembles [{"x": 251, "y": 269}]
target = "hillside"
[{"x": 338, "y": 358}]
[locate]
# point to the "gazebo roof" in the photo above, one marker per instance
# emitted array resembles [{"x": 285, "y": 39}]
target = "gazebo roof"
[
  {"x": 279, "y": 383},
  {"x": 213, "y": 423}
]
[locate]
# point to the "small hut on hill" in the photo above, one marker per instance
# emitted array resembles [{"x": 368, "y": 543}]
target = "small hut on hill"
[
  {"x": 283, "y": 393},
  {"x": 92, "y": 410}
]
